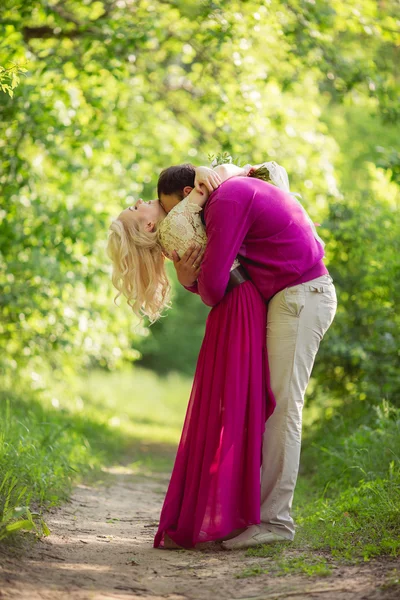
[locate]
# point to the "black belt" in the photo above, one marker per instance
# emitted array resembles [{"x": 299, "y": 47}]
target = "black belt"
[{"x": 236, "y": 277}]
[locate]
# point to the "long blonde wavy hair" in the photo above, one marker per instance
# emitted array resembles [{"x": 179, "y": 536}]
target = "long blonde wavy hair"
[{"x": 138, "y": 268}]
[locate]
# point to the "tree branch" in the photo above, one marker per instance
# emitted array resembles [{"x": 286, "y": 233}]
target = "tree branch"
[{"x": 46, "y": 32}]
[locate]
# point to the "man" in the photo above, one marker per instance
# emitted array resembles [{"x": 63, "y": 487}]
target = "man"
[{"x": 269, "y": 232}]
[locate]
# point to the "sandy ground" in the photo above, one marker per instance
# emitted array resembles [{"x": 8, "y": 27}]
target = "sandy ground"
[{"x": 100, "y": 548}]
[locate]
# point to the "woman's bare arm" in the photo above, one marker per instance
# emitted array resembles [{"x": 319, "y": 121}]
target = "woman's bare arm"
[
  {"x": 228, "y": 170},
  {"x": 207, "y": 180},
  {"x": 212, "y": 178},
  {"x": 198, "y": 197}
]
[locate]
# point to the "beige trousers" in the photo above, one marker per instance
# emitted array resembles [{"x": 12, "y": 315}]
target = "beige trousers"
[{"x": 298, "y": 318}]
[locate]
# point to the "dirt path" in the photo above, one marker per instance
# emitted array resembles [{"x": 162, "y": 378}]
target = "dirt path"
[{"x": 100, "y": 548}]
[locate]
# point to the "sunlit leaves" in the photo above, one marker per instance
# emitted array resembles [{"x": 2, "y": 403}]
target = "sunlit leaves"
[
  {"x": 10, "y": 78},
  {"x": 116, "y": 91}
]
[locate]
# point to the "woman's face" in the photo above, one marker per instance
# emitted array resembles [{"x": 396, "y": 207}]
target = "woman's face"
[{"x": 146, "y": 213}]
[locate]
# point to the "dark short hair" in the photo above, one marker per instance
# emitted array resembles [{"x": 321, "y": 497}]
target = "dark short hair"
[{"x": 174, "y": 179}]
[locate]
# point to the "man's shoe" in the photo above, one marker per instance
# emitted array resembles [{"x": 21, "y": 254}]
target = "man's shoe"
[{"x": 253, "y": 536}]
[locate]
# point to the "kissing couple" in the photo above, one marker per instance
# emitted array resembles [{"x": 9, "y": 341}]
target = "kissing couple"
[{"x": 242, "y": 241}]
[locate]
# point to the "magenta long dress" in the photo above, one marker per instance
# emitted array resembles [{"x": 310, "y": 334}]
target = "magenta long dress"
[{"x": 215, "y": 482}]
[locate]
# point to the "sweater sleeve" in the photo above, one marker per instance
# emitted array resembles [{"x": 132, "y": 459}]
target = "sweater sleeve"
[
  {"x": 192, "y": 288},
  {"x": 227, "y": 223}
]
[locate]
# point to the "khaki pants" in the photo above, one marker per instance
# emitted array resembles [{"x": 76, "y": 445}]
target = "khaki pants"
[{"x": 298, "y": 318}]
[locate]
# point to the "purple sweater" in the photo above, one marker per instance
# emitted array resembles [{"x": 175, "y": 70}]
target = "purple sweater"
[{"x": 266, "y": 229}]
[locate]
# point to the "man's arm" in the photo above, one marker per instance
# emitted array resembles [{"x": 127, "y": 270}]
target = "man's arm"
[{"x": 228, "y": 221}]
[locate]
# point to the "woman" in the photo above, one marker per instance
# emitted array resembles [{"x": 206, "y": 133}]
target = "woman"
[{"x": 215, "y": 484}]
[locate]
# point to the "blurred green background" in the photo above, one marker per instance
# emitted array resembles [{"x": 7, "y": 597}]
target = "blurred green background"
[{"x": 96, "y": 98}]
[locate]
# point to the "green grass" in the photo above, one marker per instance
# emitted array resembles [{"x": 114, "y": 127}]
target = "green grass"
[
  {"x": 360, "y": 522},
  {"x": 66, "y": 430},
  {"x": 347, "y": 499},
  {"x": 287, "y": 559},
  {"x": 310, "y": 565},
  {"x": 135, "y": 402}
]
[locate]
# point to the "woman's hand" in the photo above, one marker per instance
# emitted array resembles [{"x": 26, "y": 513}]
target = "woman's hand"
[
  {"x": 188, "y": 267},
  {"x": 208, "y": 177},
  {"x": 248, "y": 169}
]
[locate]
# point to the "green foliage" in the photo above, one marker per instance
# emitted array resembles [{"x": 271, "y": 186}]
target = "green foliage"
[
  {"x": 81, "y": 137},
  {"x": 221, "y": 159},
  {"x": 352, "y": 452},
  {"x": 360, "y": 359},
  {"x": 40, "y": 452},
  {"x": 9, "y": 78},
  {"x": 174, "y": 341}
]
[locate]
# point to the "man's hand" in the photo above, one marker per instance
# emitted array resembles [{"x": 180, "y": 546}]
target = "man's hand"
[
  {"x": 188, "y": 267},
  {"x": 207, "y": 177}
]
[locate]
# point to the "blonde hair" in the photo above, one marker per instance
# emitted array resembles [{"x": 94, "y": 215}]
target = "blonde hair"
[{"x": 138, "y": 268}]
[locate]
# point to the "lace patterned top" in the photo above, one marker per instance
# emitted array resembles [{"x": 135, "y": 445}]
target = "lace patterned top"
[{"x": 181, "y": 228}]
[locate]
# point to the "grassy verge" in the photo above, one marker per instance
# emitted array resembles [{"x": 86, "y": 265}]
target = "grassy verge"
[
  {"x": 347, "y": 500},
  {"x": 62, "y": 431},
  {"x": 356, "y": 476}
]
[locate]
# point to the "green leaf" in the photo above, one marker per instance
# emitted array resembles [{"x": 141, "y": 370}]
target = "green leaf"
[{"x": 25, "y": 524}]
